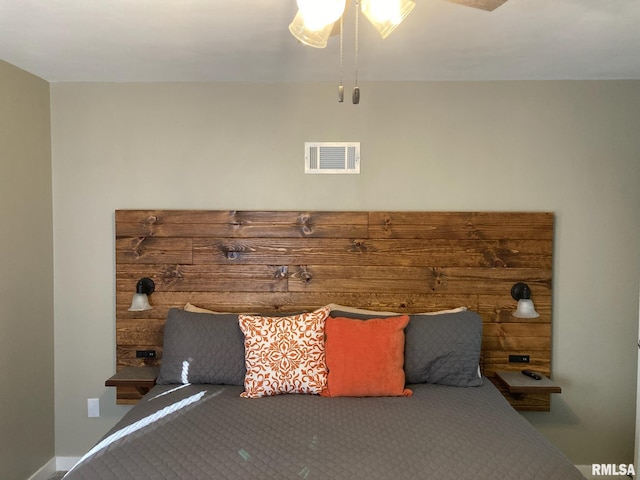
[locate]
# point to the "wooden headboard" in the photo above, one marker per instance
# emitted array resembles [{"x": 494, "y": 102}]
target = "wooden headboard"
[{"x": 266, "y": 262}]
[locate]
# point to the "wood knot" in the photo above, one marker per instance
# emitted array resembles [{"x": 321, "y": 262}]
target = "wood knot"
[
  {"x": 304, "y": 218},
  {"x": 137, "y": 249},
  {"x": 304, "y": 221},
  {"x": 230, "y": 252},
  {"x": 359, "y": 246},
  {"x": 306, "y": 275},
  {"x": 171, "y": 274},
  {"x": 282, "y": 271},
  {"x": 474, "y": 233},
  {"x": 437, "y": 279}
]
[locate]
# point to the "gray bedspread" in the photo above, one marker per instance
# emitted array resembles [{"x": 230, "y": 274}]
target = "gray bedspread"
[{"x": 209, "y": 432}]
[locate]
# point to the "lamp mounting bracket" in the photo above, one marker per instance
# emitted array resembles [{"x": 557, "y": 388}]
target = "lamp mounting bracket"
[
  {"x": 520, "y": 291},
  {"x": 145, "y": 285}
]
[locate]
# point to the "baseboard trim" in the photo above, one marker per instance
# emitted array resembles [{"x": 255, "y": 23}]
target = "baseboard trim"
[
  {"x": 66, "y": 463},
  {"x": 53, "y": 465},
  {"x": 45, "y": 471}
]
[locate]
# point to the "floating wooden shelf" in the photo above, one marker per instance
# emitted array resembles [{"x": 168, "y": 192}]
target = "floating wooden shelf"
[
  {"x": 517, "y": 383},
  {"x": 132, "y": 383}
]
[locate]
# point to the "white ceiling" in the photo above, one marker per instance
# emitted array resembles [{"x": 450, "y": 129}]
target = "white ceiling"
[{"x": 248, "y": 40}]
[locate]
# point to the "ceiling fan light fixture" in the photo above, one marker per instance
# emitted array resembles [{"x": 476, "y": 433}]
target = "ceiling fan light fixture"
[
  {"x": 386, "y": 15},
  {"x": 316, "y": 38}
]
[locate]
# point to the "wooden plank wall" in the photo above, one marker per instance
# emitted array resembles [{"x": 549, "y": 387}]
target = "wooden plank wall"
[{"x": 266, "y": 262}]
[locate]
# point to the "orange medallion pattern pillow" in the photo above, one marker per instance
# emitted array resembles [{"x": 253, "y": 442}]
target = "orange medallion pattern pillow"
[
  {"x": 284, "y": 354},
  {"x": 365, "y": 358}
]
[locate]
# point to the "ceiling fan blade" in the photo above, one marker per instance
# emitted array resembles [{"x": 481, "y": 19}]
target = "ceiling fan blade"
[{"x": 488, "y": 5}]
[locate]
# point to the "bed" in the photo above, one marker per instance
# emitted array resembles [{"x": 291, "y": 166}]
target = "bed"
[{"x": 213, "y": 415}]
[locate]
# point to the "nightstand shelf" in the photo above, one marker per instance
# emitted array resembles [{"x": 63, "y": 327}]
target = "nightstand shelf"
[
  {"x": 132, "y": 383},
  {"x": 517, "y": 383}
]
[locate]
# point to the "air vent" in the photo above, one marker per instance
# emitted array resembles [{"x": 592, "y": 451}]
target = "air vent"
[{"x": 332, "y": 157}]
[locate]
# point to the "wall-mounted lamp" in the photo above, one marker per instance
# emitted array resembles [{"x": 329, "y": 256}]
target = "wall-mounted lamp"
[
  {"x": 140, "y": 302},
  {"x": 522, "y": 293}
]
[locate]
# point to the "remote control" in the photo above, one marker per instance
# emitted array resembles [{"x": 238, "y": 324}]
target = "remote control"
[{"x": 531, "y": 374}]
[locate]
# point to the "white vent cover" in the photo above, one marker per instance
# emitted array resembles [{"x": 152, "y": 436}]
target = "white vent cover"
[{"x": 332, "y": 157}]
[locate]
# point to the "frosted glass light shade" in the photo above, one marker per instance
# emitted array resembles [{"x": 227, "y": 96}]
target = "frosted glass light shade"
[
  {"x": 312, "y": 37},
  {"x": 317, "y": 14},
  {"x": 139, "y": 303},
  {"x": 525, "y": 309},
  {"x": 386, "y": 15}
]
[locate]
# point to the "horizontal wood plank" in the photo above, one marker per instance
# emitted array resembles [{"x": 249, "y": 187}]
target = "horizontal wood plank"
[
  {"x": 154, "y": 250},
  {"x": 203, "y": 278},
  {"x": 427, "y": 279},
  {"x": 238, "y": 217},
  {"x": 241, "y": 224},
  {"x": 381, "y": 252},
  {"x": 462, "y": 226}
]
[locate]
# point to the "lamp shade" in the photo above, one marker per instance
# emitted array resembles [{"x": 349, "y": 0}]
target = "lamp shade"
[
  {"x": 317, "y": 14},
  {"x": 139, "y": 303},
  {"x": 525, "y": 309},
  {"x": 313, "y": 37},
  {"x": 386, "y": 15}
]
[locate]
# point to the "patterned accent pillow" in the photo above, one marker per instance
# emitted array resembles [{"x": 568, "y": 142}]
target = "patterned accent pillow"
[{"x": 284, "y": 354}]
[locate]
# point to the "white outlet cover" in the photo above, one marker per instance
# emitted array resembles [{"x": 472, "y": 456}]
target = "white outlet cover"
[{"x": 93, "y": 407}]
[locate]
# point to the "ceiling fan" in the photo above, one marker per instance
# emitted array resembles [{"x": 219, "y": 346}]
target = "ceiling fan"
[{"x": 317, "y": 20}]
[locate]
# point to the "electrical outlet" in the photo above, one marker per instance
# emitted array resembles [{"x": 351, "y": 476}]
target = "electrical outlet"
[
  {"x": 518, "y": 358},
  {"x": 145, "y": 354},
  {"x": 93, "y": 407}
]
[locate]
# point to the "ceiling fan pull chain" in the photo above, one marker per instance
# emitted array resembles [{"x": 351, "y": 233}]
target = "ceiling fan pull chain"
[
  {"x": 356, "y": 89},
  {"x": 340, "y": 85}
]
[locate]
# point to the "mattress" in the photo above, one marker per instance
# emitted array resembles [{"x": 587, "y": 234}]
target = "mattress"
[{"x": 209, "y": 432}]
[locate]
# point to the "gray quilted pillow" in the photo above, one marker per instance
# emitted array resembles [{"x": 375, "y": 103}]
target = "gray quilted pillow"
[
  {"x": 202, "y": 348},
  {"x": 444, "y": 349}
]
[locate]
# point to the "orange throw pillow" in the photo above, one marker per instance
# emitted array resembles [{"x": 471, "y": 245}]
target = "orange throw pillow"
[{"x": 365, "y": 358}]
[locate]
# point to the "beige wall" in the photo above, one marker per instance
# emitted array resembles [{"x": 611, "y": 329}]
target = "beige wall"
[
  {"x": 26, "y": 281},
  {"x": 567, "y": 147}
]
